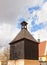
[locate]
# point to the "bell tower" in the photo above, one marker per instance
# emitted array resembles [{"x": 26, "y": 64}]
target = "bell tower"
[
  {"x": 24, "y": 47},
  {"x": 24, "y": 25}
]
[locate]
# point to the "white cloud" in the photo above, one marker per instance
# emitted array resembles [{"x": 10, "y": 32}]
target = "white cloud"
[
  {"x": 42, "y": 34},
  {"x": 42, "y": 18},
  {"x": 42, "y": 14},
  {"x": 11, "y": 10},
  {"x": 7, "y": 33}
]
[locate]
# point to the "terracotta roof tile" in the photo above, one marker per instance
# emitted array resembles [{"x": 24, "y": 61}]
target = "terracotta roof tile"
[{"x": 42, "y": 47}]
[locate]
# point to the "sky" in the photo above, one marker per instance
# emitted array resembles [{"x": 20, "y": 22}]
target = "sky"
[{"x": 13, "y": 12}]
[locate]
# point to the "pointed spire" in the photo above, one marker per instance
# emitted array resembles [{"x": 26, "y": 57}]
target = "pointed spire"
[{"x": 24, "y": 25}]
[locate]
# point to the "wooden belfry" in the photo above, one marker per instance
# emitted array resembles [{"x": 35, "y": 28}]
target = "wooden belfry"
[{"x": 24, "y": 46}]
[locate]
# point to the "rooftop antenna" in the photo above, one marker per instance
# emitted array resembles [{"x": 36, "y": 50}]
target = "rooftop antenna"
[{"x": 39, "y": 38}]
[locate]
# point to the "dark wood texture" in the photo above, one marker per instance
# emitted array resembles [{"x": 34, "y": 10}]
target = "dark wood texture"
[
  {"x": 31, "y": 50},
  {"x": 18, "y": 51},
  {"x": 24, "y": 46},
  {"x": 24, "y": 49}
]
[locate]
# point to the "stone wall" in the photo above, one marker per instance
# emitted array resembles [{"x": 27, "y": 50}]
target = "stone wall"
[
  {"x": 31, "y": 62},
  {"x": 2, "y": 62},
  {"x": 23, "y": 62},
  {"x": 43, "y": 62},
  {"x": 11, "y": 62},
  {"x": 20, "y": 62}
]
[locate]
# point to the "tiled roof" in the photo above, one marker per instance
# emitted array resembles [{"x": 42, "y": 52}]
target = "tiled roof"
[
  {"x": 42, "y": 47},
  {"x": 23, "y": 34}
]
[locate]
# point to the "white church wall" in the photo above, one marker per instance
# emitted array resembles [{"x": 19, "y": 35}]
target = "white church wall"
[{"x": 42, "y": 58}]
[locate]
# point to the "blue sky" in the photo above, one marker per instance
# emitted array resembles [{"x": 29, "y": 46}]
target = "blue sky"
[
  {"x": 44, "y": 1},
  {"x": 35, "y": 27},
  {"x": 34, "y": 18},
  {"x": 35, "y": 8},
  {"x": 36, "y": 21}
]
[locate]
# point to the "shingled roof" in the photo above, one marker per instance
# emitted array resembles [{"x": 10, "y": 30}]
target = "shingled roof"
[{"x": 24, "y": 33}]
